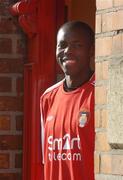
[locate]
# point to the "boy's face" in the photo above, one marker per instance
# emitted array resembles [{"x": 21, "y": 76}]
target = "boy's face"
[{"x": 73, "y": 52}]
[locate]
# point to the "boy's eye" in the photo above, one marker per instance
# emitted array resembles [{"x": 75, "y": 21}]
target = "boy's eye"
[
  {"x": 78, "y": 45},
  {"x": 61, "y": 45}
]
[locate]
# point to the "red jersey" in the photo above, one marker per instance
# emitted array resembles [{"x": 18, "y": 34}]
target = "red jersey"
[{"x": 67, "y": 120}]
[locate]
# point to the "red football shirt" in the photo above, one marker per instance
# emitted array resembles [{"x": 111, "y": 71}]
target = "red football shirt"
[{"x": 67, "y": 120}]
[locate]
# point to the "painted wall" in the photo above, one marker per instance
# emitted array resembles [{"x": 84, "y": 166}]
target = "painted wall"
[{"x": 83, "y": 10}]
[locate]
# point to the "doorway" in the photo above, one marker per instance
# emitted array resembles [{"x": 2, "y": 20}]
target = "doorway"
[{"x": 78, "y": 10}]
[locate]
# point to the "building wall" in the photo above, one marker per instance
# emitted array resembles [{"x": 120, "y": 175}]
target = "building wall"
[
  {"x": 12, "y": 57},
  {"x": 109, "y": 104}
]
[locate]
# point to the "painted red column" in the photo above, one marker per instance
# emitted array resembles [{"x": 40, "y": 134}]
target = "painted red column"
[{"x": 39, "y": 19}]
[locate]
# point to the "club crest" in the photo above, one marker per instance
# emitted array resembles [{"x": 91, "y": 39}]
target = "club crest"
[{"x": 83, "y": 118}]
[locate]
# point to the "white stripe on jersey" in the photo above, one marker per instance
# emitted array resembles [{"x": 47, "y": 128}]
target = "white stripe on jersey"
[
  {"x": 42, "y": 137},
  {"x": 53, "y": 87}
]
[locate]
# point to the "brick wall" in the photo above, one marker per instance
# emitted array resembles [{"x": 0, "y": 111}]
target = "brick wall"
[
  {"x": 12, "y": 57},
  {"x": 109, "y": 33}
]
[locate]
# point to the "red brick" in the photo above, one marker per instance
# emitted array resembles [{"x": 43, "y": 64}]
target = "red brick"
[
  {"x": 11, "y": 65},
  {"x": 117, "y": 20},
  {"x": 10, "y": 176},
  {"x": 101, "y": 118},
  {"x": 97, "y": 118},
  {"x": 104, "y": 118},
  {"x": 18, "y": 161},
  {"x": 112, "y": 21},
  {"x": 105, "y": 70},
  {"x": 4, "y": 161},
  {"x": 106, "y": 164},
  {"x": 98, "y": 23},
  {"x": 101, "y": 142},
  {"x": 7, "y": 25},
  {"x": 19, "y": 123},
  {"x": 104, "y": 4},
  {"x": 107, "y": 22},
  {"x": 102, "y": 70},
  {"x": 117, "y": 44},
  {"x": 99, "y": 71},
  {"x": 21, "y": 46},
  {"x": 118, "y": 2},
  {"x": 101, "y": 95},
  {"x": 103, "y": 46},
  {"x": 5, "y": 45},
  {"x": 117, "y": 164},
  {"x": 5, "y": 84},
  {"x": 20, "y": 85},
  {"x": 4, "y": 7},
  {"x": 4, "y": 122},
  {"x": 97, "y": 163},
  {"x": 10, "y": 142},
  {"x": 112, "y": 164},
  {"x": 11, "y": 103}
]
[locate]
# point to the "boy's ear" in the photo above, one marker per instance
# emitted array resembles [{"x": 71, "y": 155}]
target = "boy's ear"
[{"x": 92, "y": 57}]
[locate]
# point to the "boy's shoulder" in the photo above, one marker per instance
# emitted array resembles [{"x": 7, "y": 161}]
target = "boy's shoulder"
[{"x": 53, "y": 88}]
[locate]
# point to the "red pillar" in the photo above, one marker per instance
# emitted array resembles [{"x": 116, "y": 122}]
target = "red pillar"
[{"x": 40, "y": 20}]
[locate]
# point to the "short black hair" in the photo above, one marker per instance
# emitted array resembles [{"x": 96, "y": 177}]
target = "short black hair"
[{"x": 86, "y": 29}]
